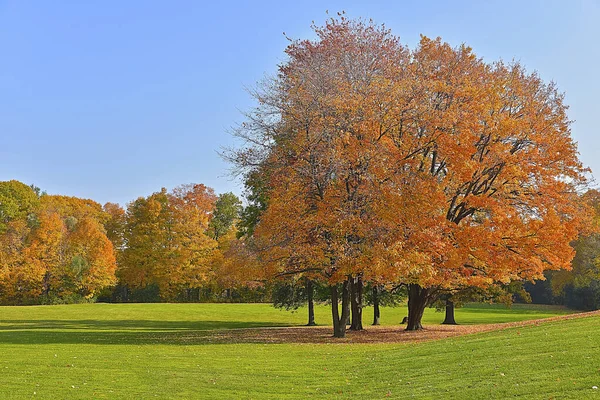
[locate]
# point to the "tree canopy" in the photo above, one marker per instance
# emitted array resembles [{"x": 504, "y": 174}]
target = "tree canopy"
[{"x": 429, "y": 167}]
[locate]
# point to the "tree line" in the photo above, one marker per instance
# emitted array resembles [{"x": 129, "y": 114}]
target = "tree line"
[
  {"x": 60, "y": 249},
  {"x": 168, "y": 246}
]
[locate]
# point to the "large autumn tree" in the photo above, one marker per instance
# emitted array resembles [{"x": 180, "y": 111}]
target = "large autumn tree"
[
  {"x": 496, "y": 150},
  {"x": 428, "y": 167},
  {"x": 320, "y": 143}
]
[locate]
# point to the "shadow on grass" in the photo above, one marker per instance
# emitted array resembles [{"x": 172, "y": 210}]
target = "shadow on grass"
[
  {"x": 260, "y": 335},
  {"x": 188, "y": 337},
  {"x": 153, "y": 332},
  {"x": 128, "y": 324},
  {"x": 517, "y": 308},
  {"x": 122, "y": 331}
]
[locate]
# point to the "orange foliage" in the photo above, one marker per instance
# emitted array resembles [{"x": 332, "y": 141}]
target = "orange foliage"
[
  {"x": 428, "y": 167},
  {"x": 60, "y": 251},
  {"x": 20, "y": 277},
  {"x": 93, "y": 262},
  {"x": 235, "y": 263},
  {"x": 166, "y": 240}
]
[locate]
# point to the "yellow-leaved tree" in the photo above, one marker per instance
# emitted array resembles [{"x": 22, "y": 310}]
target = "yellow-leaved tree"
[
  {"x": 166, "y": 240},
  {"x": 52, "y": 246}
]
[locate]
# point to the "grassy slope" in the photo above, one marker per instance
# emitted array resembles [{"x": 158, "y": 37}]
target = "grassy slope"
[{"x": 134, "y": 351}]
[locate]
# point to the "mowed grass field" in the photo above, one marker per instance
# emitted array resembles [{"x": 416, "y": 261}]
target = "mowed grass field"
[{"x": 172, "y": 351}]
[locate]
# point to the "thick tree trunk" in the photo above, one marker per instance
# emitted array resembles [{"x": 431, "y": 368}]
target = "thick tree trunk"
[
  {"x": 311, "y": 304},
  {"x": 449, "y": 320},
  {"x": 376, "y": 312},
  {"x": 418, "y": 298},
  {"x": 356, "y": 295},
  {"x": 339, "y": 321}
]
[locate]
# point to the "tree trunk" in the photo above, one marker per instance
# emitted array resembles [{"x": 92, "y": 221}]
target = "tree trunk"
[
  {"x": 376, "y": 312},
  {"x": 339, "y": 321},
  {"x": 356, "y": 294},
  {"x": 345, "y": 303},
  {"x": 311, "y": 304},
  {"x": 46, "y": 284},
  {"x": 335, "y": 312},
  {"x": 418, "y": 298},
  {"x": 449, "y": 320}
]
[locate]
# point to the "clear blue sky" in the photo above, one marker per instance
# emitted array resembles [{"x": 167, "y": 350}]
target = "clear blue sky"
[{"x": 111, "y": 100}]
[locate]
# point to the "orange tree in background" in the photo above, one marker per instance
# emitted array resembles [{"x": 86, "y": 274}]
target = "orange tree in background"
[
  {"x": 428, "y": 167},
  {"x": 166, "y": 242},
  {"x": 193, "y": 207},
  {"x": 115, "y": 226},
  {"x": 58, "y": 249},
  {"x": 71, "y": 244},
  {"x": 18, "y": 207}
]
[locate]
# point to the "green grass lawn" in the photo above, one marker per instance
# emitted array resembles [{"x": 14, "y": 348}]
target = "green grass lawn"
[{"x": 131, "y": 351}]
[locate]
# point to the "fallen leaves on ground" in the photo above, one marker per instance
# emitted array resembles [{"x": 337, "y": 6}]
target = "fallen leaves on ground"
[{"x": 372, "y": 334}]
